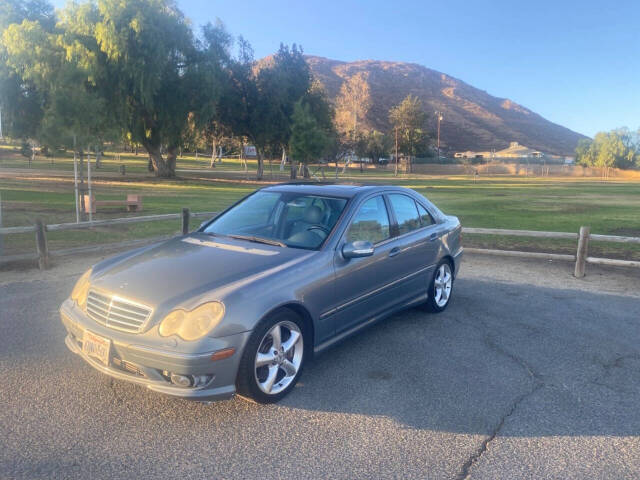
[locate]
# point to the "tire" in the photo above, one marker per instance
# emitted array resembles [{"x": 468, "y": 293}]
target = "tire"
[
  {"x": 279, "y": 372},
  {"x": 436, "y": 303}
]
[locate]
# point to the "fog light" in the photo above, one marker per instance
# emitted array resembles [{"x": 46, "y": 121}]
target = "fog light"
[
  {"x": 183, "y": 381},
  {"x": 187, "y": 381}
]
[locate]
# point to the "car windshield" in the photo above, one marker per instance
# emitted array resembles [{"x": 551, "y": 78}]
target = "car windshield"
[{"x": 281, "y": 218}]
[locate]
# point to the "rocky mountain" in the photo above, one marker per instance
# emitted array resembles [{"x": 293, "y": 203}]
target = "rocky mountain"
[{"x": 472, "y": 119}]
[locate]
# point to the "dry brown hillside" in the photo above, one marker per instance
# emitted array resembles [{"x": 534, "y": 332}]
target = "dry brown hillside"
[{"x": 473, "y": 119}]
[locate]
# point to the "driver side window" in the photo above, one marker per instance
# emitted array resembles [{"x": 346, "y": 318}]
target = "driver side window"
[{"x": 371, "y": 223}]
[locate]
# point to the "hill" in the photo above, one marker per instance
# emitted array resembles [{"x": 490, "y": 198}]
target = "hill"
[{"x": 473, "y": 119}]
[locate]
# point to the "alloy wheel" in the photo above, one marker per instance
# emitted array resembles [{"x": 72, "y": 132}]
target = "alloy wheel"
[
  {"x": 442, "y": 285},
  {"x": 279, "y": 357}
]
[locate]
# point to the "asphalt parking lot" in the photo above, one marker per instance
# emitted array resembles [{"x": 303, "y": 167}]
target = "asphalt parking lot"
[{"x": 512, "y": 381}]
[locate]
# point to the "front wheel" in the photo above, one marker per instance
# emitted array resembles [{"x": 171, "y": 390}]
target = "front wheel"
[
  {"x": 440, "y": 288},
  {"x": 272, "y": 359}
]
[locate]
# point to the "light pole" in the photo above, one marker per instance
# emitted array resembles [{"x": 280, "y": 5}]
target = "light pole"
[
  {"x": 439, "y": 117},
  {"x": 396, "y": 172}
]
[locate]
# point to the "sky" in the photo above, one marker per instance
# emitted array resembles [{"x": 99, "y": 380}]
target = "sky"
[{"x": 576, "y": 63}]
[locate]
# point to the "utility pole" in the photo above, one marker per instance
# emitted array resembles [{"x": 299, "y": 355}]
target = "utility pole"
[
  {"x": 75, "y": 178},
  {"x": 396, "y": 172},
  {"x": 439, "y": 117}
]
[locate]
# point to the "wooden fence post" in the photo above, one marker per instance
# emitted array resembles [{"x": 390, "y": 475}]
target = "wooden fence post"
[
  {"x": 41, "y": 245},
  {"x": 185, "y": 221},
  {"x": 583, "y": 249}
]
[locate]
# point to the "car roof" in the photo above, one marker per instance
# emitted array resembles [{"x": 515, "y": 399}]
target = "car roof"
[{"x": 345, "y": 190}]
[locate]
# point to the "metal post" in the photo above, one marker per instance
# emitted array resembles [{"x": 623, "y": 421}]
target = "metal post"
[
  {"x": 75, "y": 179},
  {"x": 439, "y": 114},
  {"x": 185, "y": 221},
  {"x": 1, "y": 245},
  {"x": 581, "y": 254},
  {"x": 396, "y": 172},
  {"x": 41, "y": 245},
  {"x": 89, "y": 185}
]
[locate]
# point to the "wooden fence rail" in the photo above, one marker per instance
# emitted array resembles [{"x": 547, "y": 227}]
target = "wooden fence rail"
[
  {"x": 584, "y": 236},
  {"x": 42, "y": 253}
]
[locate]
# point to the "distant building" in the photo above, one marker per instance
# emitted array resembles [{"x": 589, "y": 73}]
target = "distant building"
[{"x": 515, "y": 150}]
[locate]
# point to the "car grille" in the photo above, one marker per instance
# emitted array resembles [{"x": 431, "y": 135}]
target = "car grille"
[{"x": 117, "y": 313}]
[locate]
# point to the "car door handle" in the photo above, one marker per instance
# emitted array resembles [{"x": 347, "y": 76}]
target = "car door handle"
[
  {"x": 394, "y": 251},
  {"x": 433, "y": 237}
]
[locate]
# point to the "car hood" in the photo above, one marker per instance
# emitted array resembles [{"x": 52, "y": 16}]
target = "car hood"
[{"x": 182, "y": 268}]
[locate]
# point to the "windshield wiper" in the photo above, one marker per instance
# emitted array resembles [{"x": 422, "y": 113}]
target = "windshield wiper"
[{"x": 255, "y": 239}]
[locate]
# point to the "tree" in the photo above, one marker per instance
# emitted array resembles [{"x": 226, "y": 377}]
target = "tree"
[
  {"x": 262, "y": 98},
  {"x": 308, "y": 139},
  {"x": 72, "y": 111},
  {"x": 20, "y": 101},
  {"x": 212, "y": 83},
  {"x": 618, "y": 148},
  {"x": 352, "y": 107},
  {"x": 353, "y": 104},
  {"x": 377, "y": 145},
  {"x": 408, "y": 117}
]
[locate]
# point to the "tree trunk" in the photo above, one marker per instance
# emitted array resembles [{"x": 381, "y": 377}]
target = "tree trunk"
[
  {"x": 98, "y": 157},
  {"x": 213, "y": 153},
  {"x": 294, "y": 170},
  {"x": 164, "y": 168},
  {"x": 305, "y": 171},
  {"x": 260, "y": 171}
]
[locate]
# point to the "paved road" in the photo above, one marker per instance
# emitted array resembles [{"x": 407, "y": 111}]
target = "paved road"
[{"x": 512, "y": 381}]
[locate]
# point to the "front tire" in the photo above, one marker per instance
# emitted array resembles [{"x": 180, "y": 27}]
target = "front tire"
[
  {"x": 440, "y": 288},
  {"x": 273, "y": 358}
]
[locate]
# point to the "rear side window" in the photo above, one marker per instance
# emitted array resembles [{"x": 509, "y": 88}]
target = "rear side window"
[
  {"x": 371, "y": 223},
  {"x": 425, "y": 217},
  {"x": 406, "y": 213}
]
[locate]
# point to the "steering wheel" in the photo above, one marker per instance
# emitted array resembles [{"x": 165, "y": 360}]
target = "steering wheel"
[{"x": 319, "y": 227}]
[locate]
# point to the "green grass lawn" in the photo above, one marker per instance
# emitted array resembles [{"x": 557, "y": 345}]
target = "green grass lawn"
[{"x": 551, "y": 204}]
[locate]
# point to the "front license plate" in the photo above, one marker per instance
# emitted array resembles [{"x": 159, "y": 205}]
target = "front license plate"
[{"x": 96, "y": 346}]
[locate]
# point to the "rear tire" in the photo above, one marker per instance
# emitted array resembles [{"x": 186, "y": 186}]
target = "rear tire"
[
  {"x": 273, "y": 358},
  {"x": 440, "y": 287}
]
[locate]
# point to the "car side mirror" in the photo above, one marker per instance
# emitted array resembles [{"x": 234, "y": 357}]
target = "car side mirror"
[{"x": 357, "y": 249}]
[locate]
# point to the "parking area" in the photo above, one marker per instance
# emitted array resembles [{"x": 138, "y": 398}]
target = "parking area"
[{"x": 528, "y": 374}]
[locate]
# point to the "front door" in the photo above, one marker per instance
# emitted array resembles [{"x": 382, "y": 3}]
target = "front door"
[{"x": 361, "y": 291}]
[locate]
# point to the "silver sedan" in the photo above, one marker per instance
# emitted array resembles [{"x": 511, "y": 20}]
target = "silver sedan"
[{"x": 239, "y": 305}]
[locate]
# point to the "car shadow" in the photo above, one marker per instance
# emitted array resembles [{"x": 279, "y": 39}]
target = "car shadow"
[{"x": 567, "y": 360}]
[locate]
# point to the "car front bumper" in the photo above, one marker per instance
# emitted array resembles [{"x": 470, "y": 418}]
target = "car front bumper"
[{"x": 146, "y": 365}]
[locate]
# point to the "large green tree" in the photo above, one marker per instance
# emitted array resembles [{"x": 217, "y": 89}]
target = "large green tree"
[
  {"x": 72, "y": 109},
  {"x": 618, "y": 148},
  {"x": 21, "y": 104},
  {"x": 260, "y": 103}
]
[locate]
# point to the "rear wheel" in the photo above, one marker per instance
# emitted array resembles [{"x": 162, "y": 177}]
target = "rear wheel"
[
  {"x": 273, "y": 358},
  {"x": 441, "y": 287}
]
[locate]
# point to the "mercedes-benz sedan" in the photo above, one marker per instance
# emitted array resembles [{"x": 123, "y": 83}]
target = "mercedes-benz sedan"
[{"x": 239, "y": 305}]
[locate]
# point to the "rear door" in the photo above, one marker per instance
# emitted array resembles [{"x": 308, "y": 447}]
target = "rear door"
[{"x": 415, "y": 246}]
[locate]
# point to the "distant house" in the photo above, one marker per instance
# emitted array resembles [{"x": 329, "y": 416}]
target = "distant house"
[
  {"x": 470, "y": 154},
  {"x": 515, "y": 150}
]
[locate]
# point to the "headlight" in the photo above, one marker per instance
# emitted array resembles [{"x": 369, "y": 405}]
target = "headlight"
[
  {"x": 81, "y": 289},
  {"x": 194, "y": 324}
]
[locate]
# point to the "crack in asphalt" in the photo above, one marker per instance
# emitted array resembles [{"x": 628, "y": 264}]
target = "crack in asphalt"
[
  {"x": 465, "y": 472},
  {"x": 538, "y": 383},
  {"x": 617, "y": 362}
]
